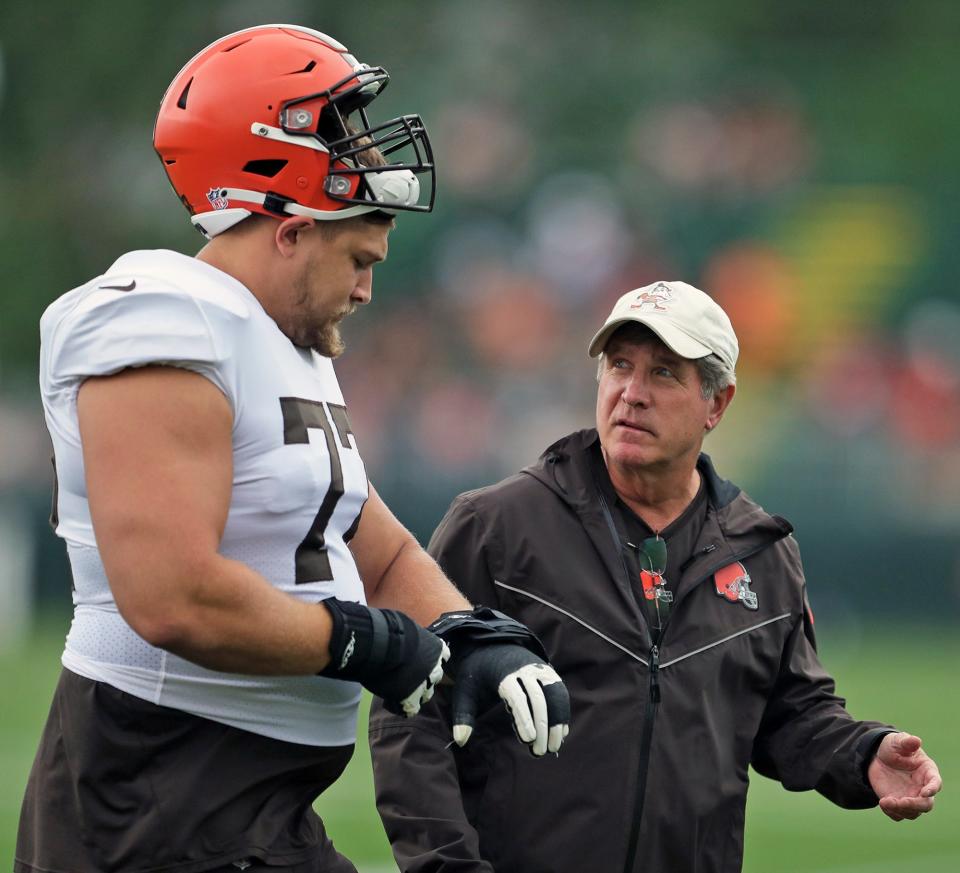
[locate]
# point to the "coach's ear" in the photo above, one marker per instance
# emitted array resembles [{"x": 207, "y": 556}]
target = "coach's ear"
[
  {"x": 289, "y": 233},
  {"x": 718, "y": 406}
]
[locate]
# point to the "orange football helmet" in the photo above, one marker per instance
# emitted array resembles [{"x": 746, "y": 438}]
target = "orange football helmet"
[{"x": 272, "y": 119}]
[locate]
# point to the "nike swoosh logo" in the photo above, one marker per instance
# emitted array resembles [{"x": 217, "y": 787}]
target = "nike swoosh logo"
[{"x": 130, "y": 287}]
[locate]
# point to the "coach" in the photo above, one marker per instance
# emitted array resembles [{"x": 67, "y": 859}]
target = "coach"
[{"x": 675, "y": 608}]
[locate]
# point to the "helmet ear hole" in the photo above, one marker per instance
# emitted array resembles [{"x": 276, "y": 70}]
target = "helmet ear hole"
[{"x": 268, "y": 168}]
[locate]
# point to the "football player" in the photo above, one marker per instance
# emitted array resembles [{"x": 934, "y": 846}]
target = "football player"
[{"x": 236, "y": 577}]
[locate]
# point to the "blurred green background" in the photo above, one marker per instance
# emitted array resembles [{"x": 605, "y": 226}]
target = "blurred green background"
[{"x": 797, "y": 160}]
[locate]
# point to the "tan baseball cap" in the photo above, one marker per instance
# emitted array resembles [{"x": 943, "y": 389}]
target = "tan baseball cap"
[{"x": 687, "y": 320}]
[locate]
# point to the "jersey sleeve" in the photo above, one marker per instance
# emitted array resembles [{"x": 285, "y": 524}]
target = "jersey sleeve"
[{"x": 110, "y": 330}]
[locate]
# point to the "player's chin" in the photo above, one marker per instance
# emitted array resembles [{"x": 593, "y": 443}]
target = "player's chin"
[{"x": 327, "y": 341}]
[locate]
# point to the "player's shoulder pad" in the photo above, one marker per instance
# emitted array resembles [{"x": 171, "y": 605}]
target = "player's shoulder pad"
[{"x": 148, "y": 307}]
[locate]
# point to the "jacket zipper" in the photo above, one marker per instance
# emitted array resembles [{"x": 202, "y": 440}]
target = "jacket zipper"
[
  {"x": 646, "y": 743},
  {"x": 650, "y": 708},
  {"x": 654, "y": 674}
]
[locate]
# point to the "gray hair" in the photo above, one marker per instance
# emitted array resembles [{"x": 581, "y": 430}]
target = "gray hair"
[{"x": 715, "y": 375}]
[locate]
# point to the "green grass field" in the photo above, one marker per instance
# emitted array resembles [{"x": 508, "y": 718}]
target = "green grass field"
[{"x": 908, "y": 676}]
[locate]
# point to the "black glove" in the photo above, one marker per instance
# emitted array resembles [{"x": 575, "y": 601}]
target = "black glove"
[
  {"x": 386, "y": 652},
  {"x": 494, "y": 656}
]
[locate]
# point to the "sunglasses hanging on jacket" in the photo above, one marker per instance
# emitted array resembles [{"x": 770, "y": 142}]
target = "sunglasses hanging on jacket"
[{"x": 652, "y": 554}]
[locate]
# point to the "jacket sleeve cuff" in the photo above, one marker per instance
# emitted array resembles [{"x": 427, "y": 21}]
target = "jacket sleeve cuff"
[{"x": 865, "y": 752}]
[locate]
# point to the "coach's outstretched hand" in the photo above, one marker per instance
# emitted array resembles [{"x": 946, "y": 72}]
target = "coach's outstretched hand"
[
  {"x": 904, "y": 777},
  {"x": 494, "y": 657},
  {"x": 387, "y": 652}
]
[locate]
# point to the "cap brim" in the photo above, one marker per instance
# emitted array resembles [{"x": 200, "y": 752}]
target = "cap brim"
[{"x": 674, "y": 338}]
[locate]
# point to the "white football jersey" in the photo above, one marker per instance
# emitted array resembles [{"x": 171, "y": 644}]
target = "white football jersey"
[{"x": 299, "y": 484}]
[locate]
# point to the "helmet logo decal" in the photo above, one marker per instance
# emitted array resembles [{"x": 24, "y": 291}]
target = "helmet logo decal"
[
  {"x": 218, "y": 197},
  {"x": 653, "y": 298},
  {"x": 733, "y": 584}
]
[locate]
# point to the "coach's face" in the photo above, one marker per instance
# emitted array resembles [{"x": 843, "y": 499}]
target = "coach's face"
[
  {"x": 651, "y": 414},
  {"x": 334, "y": 276}
]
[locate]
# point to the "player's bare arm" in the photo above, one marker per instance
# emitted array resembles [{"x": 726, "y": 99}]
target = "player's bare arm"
[
  {"x": 493, "y": 655},
  {"x": 158, "y": 462},
  {"x": 396, "y": 571}
]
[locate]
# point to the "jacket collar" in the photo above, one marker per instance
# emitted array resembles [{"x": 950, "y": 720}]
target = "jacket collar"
[
  {"x": 565, "y": 468},
  {"x": 735, "y": 527}
]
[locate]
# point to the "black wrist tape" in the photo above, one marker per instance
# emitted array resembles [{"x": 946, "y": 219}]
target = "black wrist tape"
[
  {"x": 366, "y": 642},
  {"x": 351, "y": 639}
]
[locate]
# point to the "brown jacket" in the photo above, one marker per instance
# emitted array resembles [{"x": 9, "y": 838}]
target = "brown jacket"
[{"x": 653, "y": 776}]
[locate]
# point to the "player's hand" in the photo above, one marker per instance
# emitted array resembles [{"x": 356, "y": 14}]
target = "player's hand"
[
  {"x": 533, "y": 693},
  {"x": 386, "y": 652},
  {"x": 904, "y": 777}
]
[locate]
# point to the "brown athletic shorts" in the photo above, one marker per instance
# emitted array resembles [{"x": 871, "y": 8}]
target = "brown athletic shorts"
[{"x": 120, "y": 784}]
